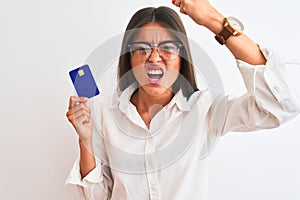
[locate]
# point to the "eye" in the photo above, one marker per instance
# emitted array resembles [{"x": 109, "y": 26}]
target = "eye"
[
  {"x": 168, "y": 47},
  {"x": 140, "y": 48},
  {"x": 143, "y": 50}
]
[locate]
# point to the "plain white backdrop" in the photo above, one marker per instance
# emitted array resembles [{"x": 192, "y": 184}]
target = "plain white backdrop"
[{"x": 40, "y": 41}]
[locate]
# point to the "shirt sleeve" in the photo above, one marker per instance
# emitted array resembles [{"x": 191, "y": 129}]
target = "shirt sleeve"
[
  {"x": 270, "y": 99},
  {"x": 98, "y": 183},
  {"x": 95, "y": 185}
]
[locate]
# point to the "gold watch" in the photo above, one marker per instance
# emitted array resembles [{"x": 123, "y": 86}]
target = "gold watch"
[{"x": 231, "y": 26}]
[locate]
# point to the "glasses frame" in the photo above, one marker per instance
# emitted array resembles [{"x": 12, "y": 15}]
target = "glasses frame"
[{"x": 177, "y": 43}]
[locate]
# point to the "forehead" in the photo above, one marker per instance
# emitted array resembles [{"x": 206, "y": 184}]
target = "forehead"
[{"x": 154, "y": 33}]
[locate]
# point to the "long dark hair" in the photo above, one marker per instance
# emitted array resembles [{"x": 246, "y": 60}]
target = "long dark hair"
[{"x": 169, "y": 19}]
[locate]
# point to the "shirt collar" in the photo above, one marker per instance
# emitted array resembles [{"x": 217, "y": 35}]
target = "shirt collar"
[{"x": 180, "y": 101}]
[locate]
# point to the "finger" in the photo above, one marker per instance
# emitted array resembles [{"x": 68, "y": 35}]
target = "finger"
[
  {"x": 70, "y": 116},
  {"x": 76, "y": 101},
  {"x": 79, "y": 119},
  {"x": 68, "y": 113},
  {"x": 80, "y": 100},
  {"x": 80, "y": 113},
  {"x": 182, "y": 6},
  {"x": 81, "y": 106},
  {"x": 75, "y": 113},
  {"x": 182, "y": 10},
  {"x": 177, "y": 3},
  {"x": 82, "y": 119}
]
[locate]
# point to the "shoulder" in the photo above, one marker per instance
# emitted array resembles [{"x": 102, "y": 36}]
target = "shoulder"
[{"x": 204, "y": 97}]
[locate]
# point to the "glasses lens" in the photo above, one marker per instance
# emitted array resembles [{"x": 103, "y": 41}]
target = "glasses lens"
[
  {"x": 166, "y": 50},
  {"x": 169, "y": 50},
  {"x": 140, "y": 51}
]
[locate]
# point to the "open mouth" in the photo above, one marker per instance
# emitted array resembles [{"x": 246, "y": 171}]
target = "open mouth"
[{"x": 154, "y": 74}]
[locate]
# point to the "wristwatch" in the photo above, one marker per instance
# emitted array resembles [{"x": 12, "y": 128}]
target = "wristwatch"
[{"x": 231, "y": 27}]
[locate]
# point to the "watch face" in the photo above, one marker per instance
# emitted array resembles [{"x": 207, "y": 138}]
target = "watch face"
[{"x": 236, "y": 24}]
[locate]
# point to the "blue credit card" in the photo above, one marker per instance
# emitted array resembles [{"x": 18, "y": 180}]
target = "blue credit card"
[{"x": 84, "y": 82}]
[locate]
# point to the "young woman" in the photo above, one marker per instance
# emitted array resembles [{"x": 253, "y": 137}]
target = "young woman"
[{"x": 145, "y": 143}]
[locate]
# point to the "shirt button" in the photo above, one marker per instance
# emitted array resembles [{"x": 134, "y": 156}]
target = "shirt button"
[
  {"x": 150, "y": 140},
  {"x": 287, "y": 105},
  {"x": 278, "y": 88},
  {"x": 153, "y": 189}
]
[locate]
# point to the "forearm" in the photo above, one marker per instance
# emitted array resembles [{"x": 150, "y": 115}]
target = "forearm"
[
  {"x": 242, "y": 47},
  {"x": 94, "y": 181},
  {"x": 87, "y": 158}
]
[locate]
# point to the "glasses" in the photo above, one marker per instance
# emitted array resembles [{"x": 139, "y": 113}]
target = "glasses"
[{"x": 167, "y": 50}]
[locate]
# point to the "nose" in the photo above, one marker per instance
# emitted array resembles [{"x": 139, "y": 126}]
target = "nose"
[{"x": 154, "y": 56}]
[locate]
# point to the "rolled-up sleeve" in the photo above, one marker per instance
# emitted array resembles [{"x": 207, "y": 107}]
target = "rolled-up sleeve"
[
  {"x": 270, "y": 99},
  {"x": 91, "y": 185}
]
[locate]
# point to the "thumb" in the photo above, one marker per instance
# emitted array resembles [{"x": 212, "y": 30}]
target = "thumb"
[{"x": 77, "y": 100}]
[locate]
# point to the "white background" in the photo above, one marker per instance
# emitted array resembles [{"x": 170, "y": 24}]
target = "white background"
[{"x": 40, "y": 41}]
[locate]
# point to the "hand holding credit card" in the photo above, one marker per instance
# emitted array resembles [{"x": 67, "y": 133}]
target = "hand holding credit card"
[{"x": 84, "y": 82}]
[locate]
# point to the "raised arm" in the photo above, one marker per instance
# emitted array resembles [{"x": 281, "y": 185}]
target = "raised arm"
[
  {"x": 269, "y": 100},
  {"x": 204, "y": 14}
]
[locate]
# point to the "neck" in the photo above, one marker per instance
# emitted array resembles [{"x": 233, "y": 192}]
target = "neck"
[
  {"x": 148, "y": 105},
  {"x": 145, "y": 102}
]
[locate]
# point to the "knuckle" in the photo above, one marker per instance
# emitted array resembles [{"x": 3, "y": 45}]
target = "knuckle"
[
  {"x": 87, "y": 114},
  {"x": 78, "y": 105},
  {"x": 70, "y": 118},
  {"x": 82, "y": 106},
  {"x": 69, "y": 113}
]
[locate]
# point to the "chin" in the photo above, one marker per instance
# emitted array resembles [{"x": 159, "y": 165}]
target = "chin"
[{"x": 156, "y": 90}]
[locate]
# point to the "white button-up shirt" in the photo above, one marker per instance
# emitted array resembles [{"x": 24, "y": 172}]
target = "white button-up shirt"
[{"x": 168, "y": 159}]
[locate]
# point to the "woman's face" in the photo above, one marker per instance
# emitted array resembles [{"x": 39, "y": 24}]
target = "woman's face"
[{"x": 155, "y": 70}]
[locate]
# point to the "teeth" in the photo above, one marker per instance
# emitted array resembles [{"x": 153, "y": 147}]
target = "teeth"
[{"x": 155, "y": 72}]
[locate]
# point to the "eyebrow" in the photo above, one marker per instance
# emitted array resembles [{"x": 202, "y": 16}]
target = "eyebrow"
[{"x": 151, "y": 44}]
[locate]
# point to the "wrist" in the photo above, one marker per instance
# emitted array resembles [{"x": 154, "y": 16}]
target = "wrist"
[
  {"x": 214, "y": 21},
  {"x": 86, "y": 145}
]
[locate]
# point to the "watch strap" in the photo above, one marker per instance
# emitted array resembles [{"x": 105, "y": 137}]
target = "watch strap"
[{"x": 223, "y": 35}]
